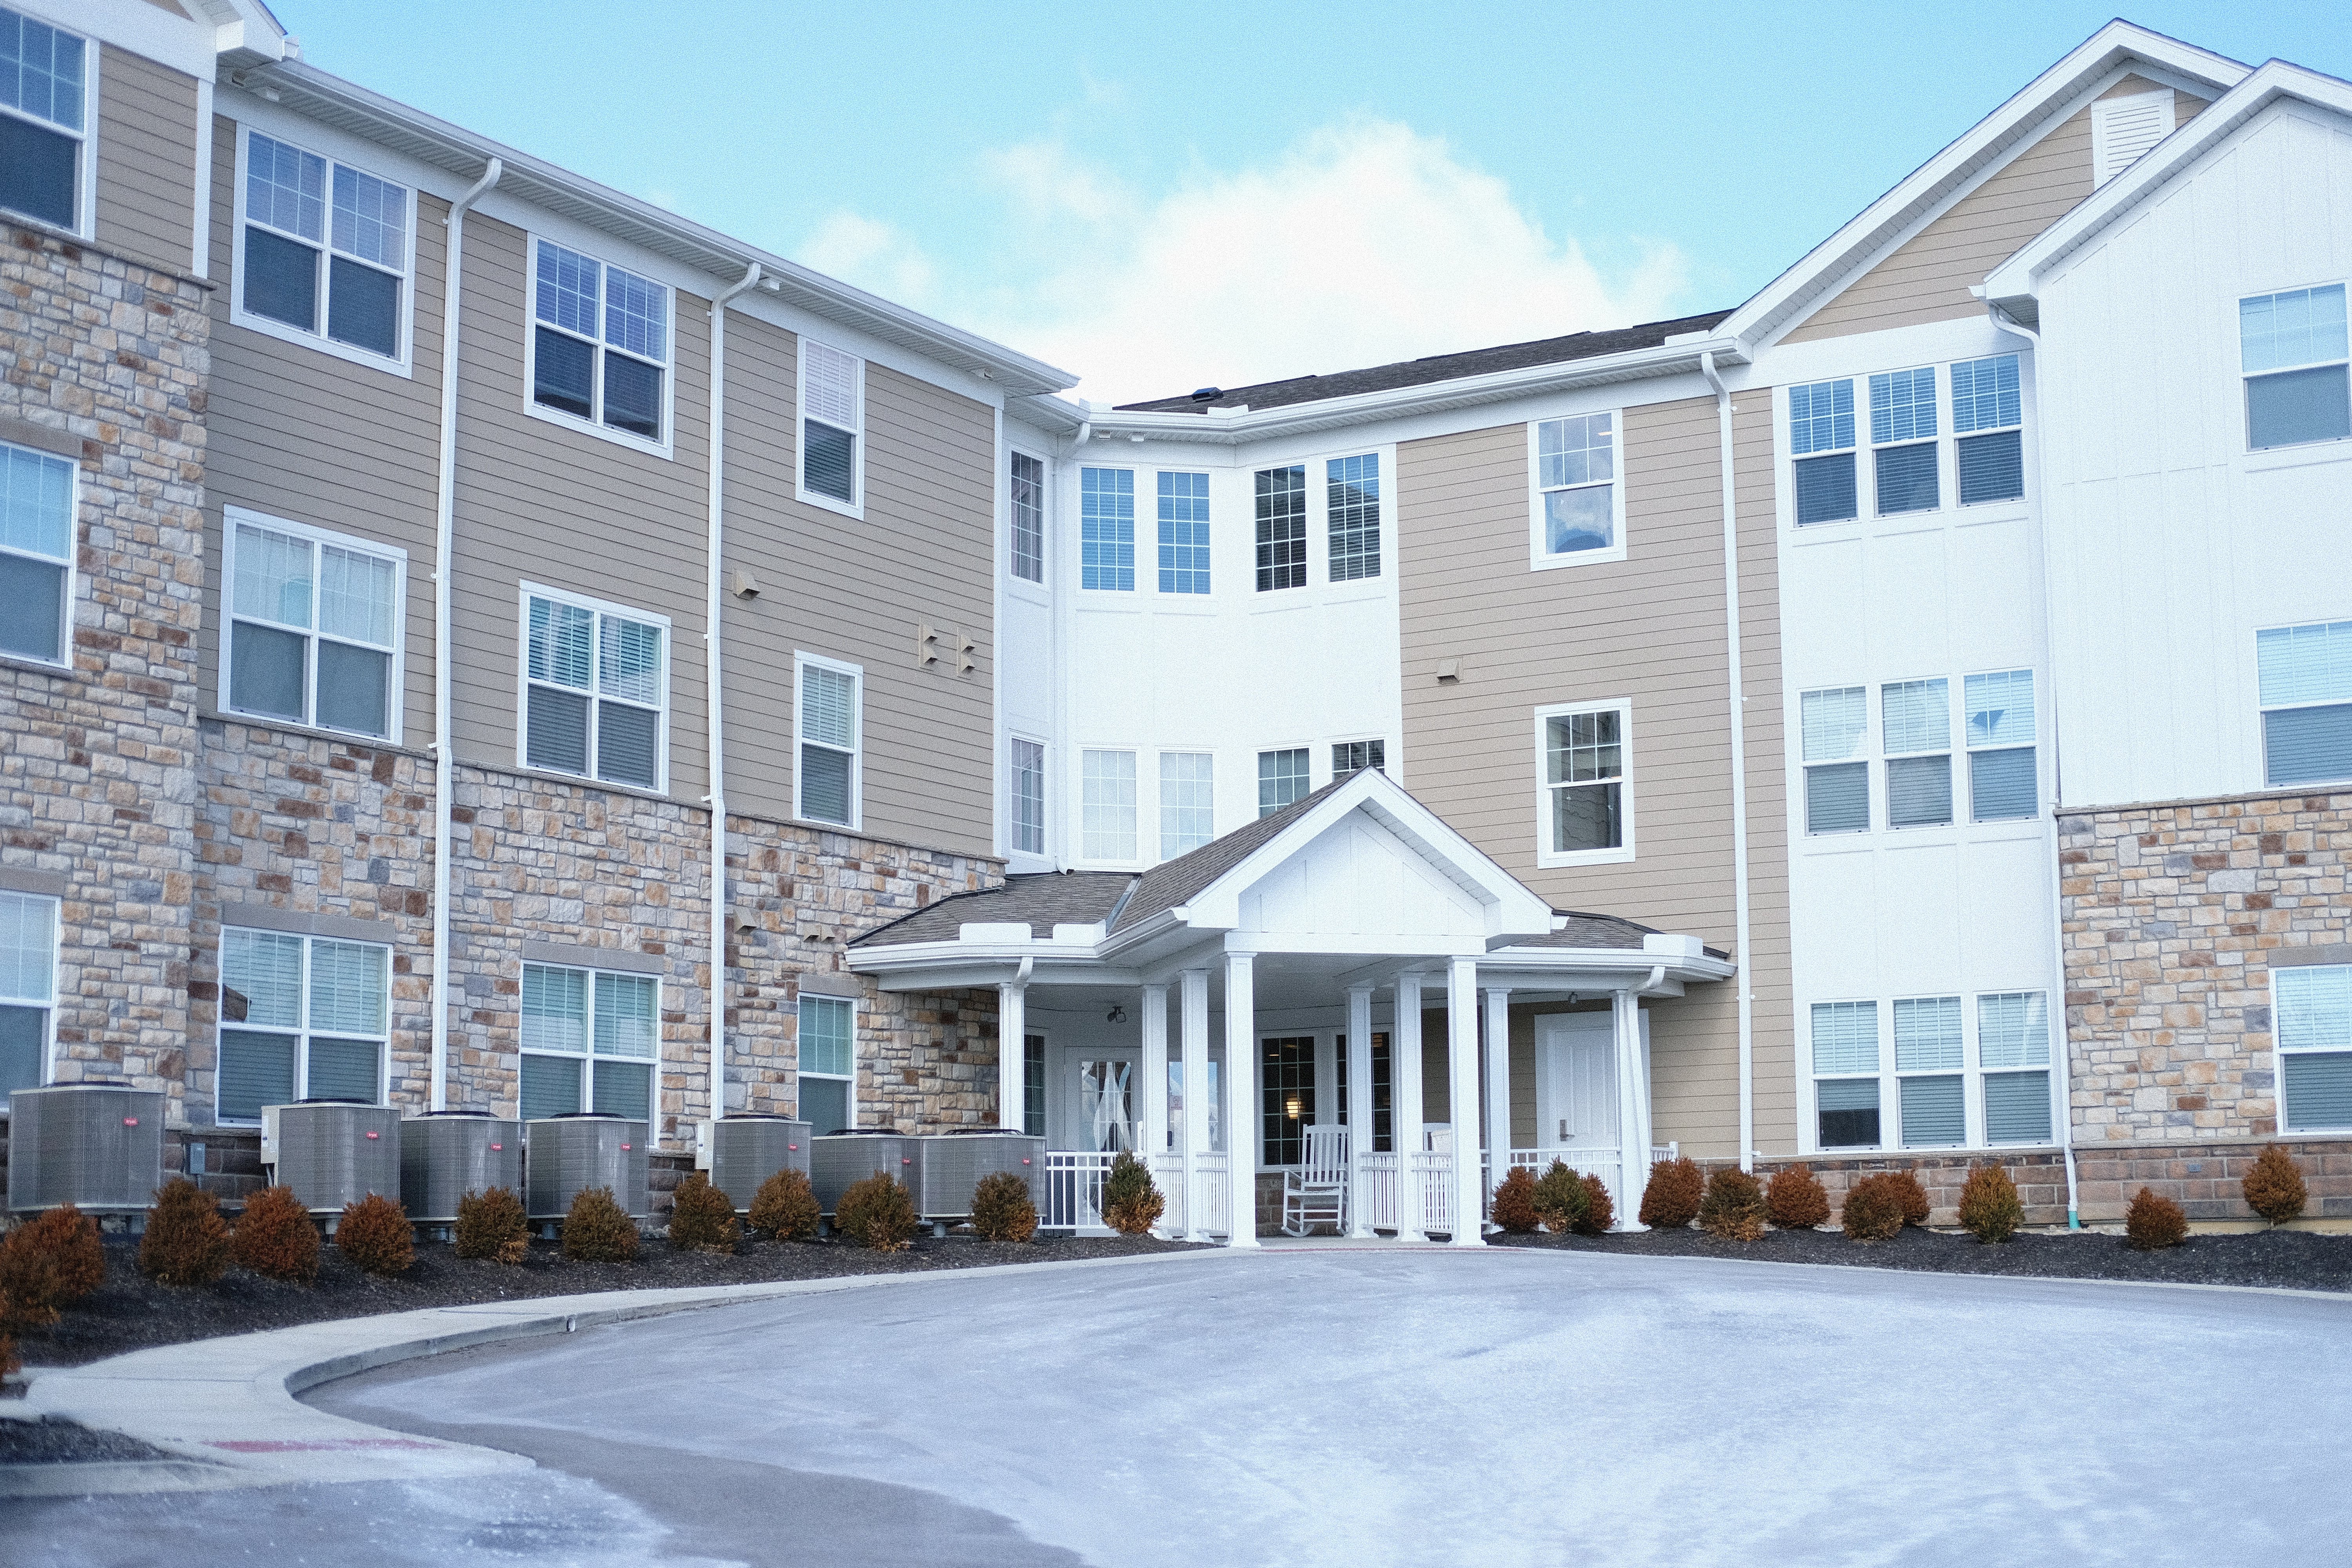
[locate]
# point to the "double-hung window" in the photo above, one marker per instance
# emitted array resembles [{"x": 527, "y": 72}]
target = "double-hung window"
[
  {"x": 28, "y": 988},
  {"x": 1352, "y": 502},
  {"x": 313, "y": 626},
  {"x": 1106, "y": 805},
  {"x": 1281, "y": 779},
  {"x": 1988, "y": 420},
  {"x": 2294, "y": 353},
  {"x": 2314, "y": 1009},
  {"x": 1576, "y": 486},
  {"x": 1028, "y": 795},
  {"x": 301, "y": 1018},
  {"x": 1915, "y": 728},
  {"x": 1183, "y": 533},
  {"x": 596, "y": 690},
  {"x": 2001, "y": 783},
  {"x": 1188, "y": 801},
  {"x": 1820, "y": 440},
  {"x": 2013, "y": 1049},
  {"x": 600, "y": 342},
  {"x": 829, "y": 719},
  {"x": 325, "y": 248},
  {"x": 1583, "y": 810},
  {"x": 1846, "y": 1074},
  {"x": 1028, "y": 482},
  {"x": 589, "y": 1042},
  {"x": 1931, "y": 1057},
  {"x": 827, "y": 1029},
  {"x": 44, "y": 120},
  {"x": 1281, "y": 528},
  {"x": 832, "y": 425},
  {"x": 1354, "y": 757},
  {"x": 36, "y": 552},
  {"x": 1106, "y": 530},
  {"x": 1902, "y": 441},
  {"x": 1837, "y": 774},
  {"x": 2306, "y": 674}
]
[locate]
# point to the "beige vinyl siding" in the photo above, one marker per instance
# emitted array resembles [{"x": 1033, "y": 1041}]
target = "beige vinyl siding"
[
  {"x": 1928, "y": 278},
  {"x": 146, "y": 159},
  {"x": 306, "y": 436}
]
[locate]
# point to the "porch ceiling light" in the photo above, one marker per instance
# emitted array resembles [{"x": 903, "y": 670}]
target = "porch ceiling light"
[{"x": 1117, "y": 1014}]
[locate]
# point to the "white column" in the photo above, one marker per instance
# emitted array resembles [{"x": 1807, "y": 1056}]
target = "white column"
[
  {"x": 1011, "y": 1043},
  {"x": 1632, "y": 1123},
  {"x": 1404, "y": 1101},
  {"x": 1462, "y": 1097},
  {"x": 1240, "y": 1096},
  {"x": 1192, "y": 1000},
  {"x": 1359, "y": 1106},
  {"x": 1154, "y": 1088},
  {"x": 1498, "y": 1085}
]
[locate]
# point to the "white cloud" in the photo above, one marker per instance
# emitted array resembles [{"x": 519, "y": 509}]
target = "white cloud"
[{"x": 873, "y": 256}]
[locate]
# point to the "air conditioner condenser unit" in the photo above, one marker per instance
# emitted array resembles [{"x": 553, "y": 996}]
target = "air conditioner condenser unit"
[
  {"x": 98, "y": 1146},
  {"x": 444, "y": 1154},
  {"x": 334, "y": 1151},
  {"x": 740, "y": 1152},
  {"x": 566, "y": 1155}
]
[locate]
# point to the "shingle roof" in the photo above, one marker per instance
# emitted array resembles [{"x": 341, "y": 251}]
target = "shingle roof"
[
  {"x": 1044, "y": 899},
  {"x": 1436, "y": 367},
  {"x": 1589, "y": 930},
  {"x": 1177, "y": 882}
]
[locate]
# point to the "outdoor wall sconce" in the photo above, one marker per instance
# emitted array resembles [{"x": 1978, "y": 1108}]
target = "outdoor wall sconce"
[{"x": 1117, "y": 1014}]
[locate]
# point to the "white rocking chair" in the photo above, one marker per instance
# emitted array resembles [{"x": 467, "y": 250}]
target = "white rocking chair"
[{"x": 1316, "y": 1192}]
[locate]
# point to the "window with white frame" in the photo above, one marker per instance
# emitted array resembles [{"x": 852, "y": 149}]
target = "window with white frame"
[
  {"x": 595, "y": 691},
  {"x": 1188, "y": 802},
  {"x": 1821, "y": 442},
  {"x": 599, "y": 341},
  {"x": 1028, "y": 795},
  {"x": 1845, "y": 1074},
  {"x": 829, "y": 719},
  {"x": 1916, "y": 732},
  {"x": 1106, "y": 805},
  {"x": 1183, "y": 533},
  {"x": 1930, "y": 1062},
  {"x": 1027, "y": 483},
  {"x": 1354, "y": 757},
  {"x": 1353, "y": 505},
  {"x": 828, "y": 1063},
  {"x": 1585, "y": 807},
  {"x": 1902, "y": 441},
  {"x": 2314, "y": 1012},
  {"x": 1837, "y": 774},
  {"x": 325, "y": 249},
  {"x": 2295, "y": 362},
  {"x": 2306, "y": 693},
  {"x": 589, "y": 1042},
  {"x": 28, "y": 988},
  {"x": 301, "y": 1018},
  {"x": 313, "y": 626},
  {"x": 44, "y": 114},
  {"x": 1576, "y": 484},
  {"x": 1988, "y": 422},
  {"x": 2013, "y": 1049},
  {"x": 1106, "y": 530},
  {"x": 1281, "y": 779},
  {"x": 1032, "y": 1085},
  {"x": 36, "y": 553},
  {"x": 832, "y": 423},
  {"x": 2002, "y": 785},
  {"x": 1281, "y": 528}
]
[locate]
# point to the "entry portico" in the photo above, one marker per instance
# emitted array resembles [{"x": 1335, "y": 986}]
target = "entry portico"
[{"x": 1304, "y": 952}]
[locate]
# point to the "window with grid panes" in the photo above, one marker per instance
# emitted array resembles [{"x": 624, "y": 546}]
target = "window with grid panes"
[
  {"x": 599, "y": 341},
  {"x": 597, "y": 684},
  {"x": 1106, "y": 805},
  {"x": 827, "y": 1062},
  {"x": 313, "y": 628},
  {"x": 1183, "y": 533},
  {"x": 1106, "y": 530},
  {"x": 1584, "y": 779},
  {"x": 1353, "y": 756},
  {"x": 1286, "y": 1097},
  {"x": 1028, "y": 497},
  {"x": 1187, "y": 802},
  {"x": 325, "y": 247},
  {"x": 1902, "y": 441},
  {"x": 36, "y": 553},
  {"x": 2001, "y": 779},
  {"x": 1988, "y": 416},
  {"x": 1281, "y": 528},
  {"x": 1576, "y": 476},
  {"x": 1029, "y": 795},
  {"x": 44, "y": 110},
  {"x": 1382, "y": 1092},
  {"x": 1352, "y": 501},
  {"x": 1281, "y": 779},
  {"x": 1821, "y": 439}
]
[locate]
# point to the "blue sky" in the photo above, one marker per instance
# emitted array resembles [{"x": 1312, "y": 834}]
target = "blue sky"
[{"x": 1165, "y": 196}]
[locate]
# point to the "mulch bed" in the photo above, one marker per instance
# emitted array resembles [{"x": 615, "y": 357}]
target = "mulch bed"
[
  {"x": 2294, "y": 1259},
  {"x": 54, "y": 1440}
]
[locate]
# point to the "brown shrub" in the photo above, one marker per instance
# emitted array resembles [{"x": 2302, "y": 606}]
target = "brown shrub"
[
  {"x": 1990, "y": 1208},
  {"x": 878, "y": 1211},
  {"x": 1002, "y": 1209},
  {"x": 702, "y": 1218},
  {"x": 1795, "y": 1200},
  {"x": 376, "y": 1235},
  {"x": 1675, "y": 1192},
  {"x": 1515, "y": 1202},
  {"x": 1560, "y": 1199},
  {"x": 1905, "y": 1186},
  {"x": 786, "y": 1207},
  {"x": 1132, "y": 1201},
  {"x": 2153, "y": 1223},
  {"x": 1873, "y": 1210},
  {"x": 489, "y": 1223},
  {"x": 274, "y": 1237},
  {"x": 1733, "y": 1207},
  {"x": 2273, "y": 1186},
  {"x": 1600, "y": 1208},
  {"x": 186, "y": 1241},
  {"x": 9, "y": 1365},
  {"x": 50, "y": 1261},
  {"x": 596, "y": 1229}
]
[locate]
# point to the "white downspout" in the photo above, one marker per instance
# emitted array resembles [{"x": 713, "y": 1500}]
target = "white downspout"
[
  {"x": 2057, "y": 872},
  {"x": 444, "y": 549},
  {"x": 714, "y": 588},
  {"x": 1738, "y": 767}
]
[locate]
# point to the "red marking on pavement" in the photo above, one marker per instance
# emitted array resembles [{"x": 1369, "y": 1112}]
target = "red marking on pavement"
[{"x": 323, "y": 1446}]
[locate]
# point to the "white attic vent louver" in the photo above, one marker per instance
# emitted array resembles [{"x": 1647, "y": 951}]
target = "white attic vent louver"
[{"x": 2124, "y": 128}]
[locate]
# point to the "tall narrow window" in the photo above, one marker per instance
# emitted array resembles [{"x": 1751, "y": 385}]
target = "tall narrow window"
[
  {"x": 2307, "y": 702},
  {"x": 1029, "y": 795},
  {"x": 599, "y": 345},
  {"x": 1281, "y": 528},
  {"x": 2013, "y": 1049},
  {"x": 1915, "y": 725},
  {"x": 1584, "y": 780},
  {"x": 1902, "y": 441},
  {"x": 2315, "y": 1043},
  {"x": 833, "y": 408},
  {"x": 589, "y": 1042},
  {"x": 326, "y": 247},
  {"x": 1106, "y": 530},
  {"x": 828, "y": 719},
  {"x": 1286, "y": 1097},
  {"x": 1183, "y": 533},
  {"x": 1846, "y": 1074},
  {"x": 1837, "y": 790},
  {"x": 1382, "y": 1092},
  {"x": 313, "y": 628},
  {"x": 1281, "y": 779},
  {"x": 37, "y": 539},
  {"x": 1107, "y": 806},
  {"x": 2001, "y": 783},
  {"x": 1988, "y": 416},
  {"x": 1188, "y": 802},
  {"x": 1930, "y": 1055},
  {"x": 43, "y": 105},
  {"x": 828, "y": 1063},
  {"x": 1028, "y": 497},
  {"x": 1576, "y": 479},
  {"x": 2293, "y": 349},
  {"x": 596, "y": 692},
  {"x": 1353, "y": 756},
  {"x": 1353, "y": 502},
  {"x": 300, "y": 1018},
  {"x": 1821, "y": 438},
  {"x": 1032, "y": 1084},
  {"x": 28, "y": 988}
]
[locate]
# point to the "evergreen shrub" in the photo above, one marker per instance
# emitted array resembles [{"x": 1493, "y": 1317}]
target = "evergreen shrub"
[
  {"x": 1873, "y": 1208},
  {"x": 1600, "y": 1208},
  {"x": 1132, "y": 1204},
  {"x": 2153, "y": 1223},
  {"x": 1676, "y": 1190},
  {"x": 786, "y": 1207},
  {"x": 702, "y": 1218},
  {"x": 376, "y": 1235},
  {"x": 1514, "y": 1206},
  {"x": 1989, "y": 1208},
  {"x": 1734, "y": 1206},
  {"x": 492, "y": 1225},
  {"x": 1002, "y": 1209},
  {"x": 275, "y": 1237},
  {"x": 187, "y": 1242},
  {"x": 1560, "y": 1199},
  {"x": 1795, "y": 1200},
  {"x": 1906, "y": 1185},
  {"x": 50, "y": 1261},
  {"x": 2273, "y": 1186},
  {"x": 878, "y": 1211},
  {"x": 596, "y": 1229}
]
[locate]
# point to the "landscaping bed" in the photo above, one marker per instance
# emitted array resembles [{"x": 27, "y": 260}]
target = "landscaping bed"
[{"x": 54, "y": 1440}]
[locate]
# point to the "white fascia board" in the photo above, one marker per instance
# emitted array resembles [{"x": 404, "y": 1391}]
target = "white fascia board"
[
  {"x": 1778, "y": 302},
  {"x": 135, "y": 27},
  {"x": 1525, "y": 968}
]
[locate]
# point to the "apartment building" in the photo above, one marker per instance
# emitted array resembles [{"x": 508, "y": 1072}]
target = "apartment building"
[{"x": 469, "y": 638}]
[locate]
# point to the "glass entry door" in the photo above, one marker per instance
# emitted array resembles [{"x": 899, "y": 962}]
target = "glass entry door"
[{"x": 1104, "y": 1105}]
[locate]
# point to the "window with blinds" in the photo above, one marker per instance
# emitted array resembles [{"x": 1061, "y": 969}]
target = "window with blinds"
[
  {"x": 827, "y": 1047},
  {"x": 1837, "y": 776},
  {"x": 1352, "y": 507},
  {"x": 1988, "y": 422},
  {"x": 2292, "y": 348},
  {"x": 1903, "y": 429},
  {"x": 324, "y": 249},
  {"x": 1106, "y": 805},
  {"x": 2314, "y": 1010},
  {"x": 301, "y": 1018},
  {"x": 833, "y": 400},
  {"x": 828, "y": 719},
  {"x": 28, "y": 969},
  {"x": 1822, "y": 440},
  {"x": 36, "y": 552},
  {"x": 595, "y": 691},
  {"x": 591, "y": 1040},
  {"x": 1915, "y": 732},
  {"x": 2013, "y": 1049},
  {"x": 2003, "y": 781},
  {"x": 45, "y": 115},
  {"x": 1929, "y": 1058},
  {"x": 1846, "y": 1074},
  {"x": 312, "y": 633},
  {"x": 2305, "y": 691},
  {"x": 600, "y": 342}
]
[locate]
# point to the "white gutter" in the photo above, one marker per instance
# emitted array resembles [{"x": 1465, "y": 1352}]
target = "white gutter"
[
  {"x": 444, "y": 549},
  {"x": 1738, "y": 695},
  {"x": 714, "y": 706}
]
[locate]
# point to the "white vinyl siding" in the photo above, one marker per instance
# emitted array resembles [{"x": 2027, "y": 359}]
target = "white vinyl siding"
[
  {"x": 324, "y": 252},
  {"x": 826, "y": 1030},
  {"x": 312, "y": 631},
  {"x": 595, "y": 691},
  {"x": 1107, "y": 806},
  {"x": 1188, "y": 802},
  {"x": 828, "y": 719},
  {"x": 28, "y": 988},
  {"x": 37, "y": 497},
  {"x": 2306, "y": 693},
  {"x": 600, "y": 346},
  {"x": 590, "y": 1041},
  {"x": 300, "y": 1018}
]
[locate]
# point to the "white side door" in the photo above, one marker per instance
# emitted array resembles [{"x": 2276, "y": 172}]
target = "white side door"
[{"x": 1576, "y": 1081}]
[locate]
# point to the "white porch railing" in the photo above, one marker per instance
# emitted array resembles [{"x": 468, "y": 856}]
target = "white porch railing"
[
  {"x": 1208, "y": 1175},
  {"x": 1380, "y": 1191},
  {"x": 1073, "y": 1188},
  {"x": 1434, "y": 1174}
]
